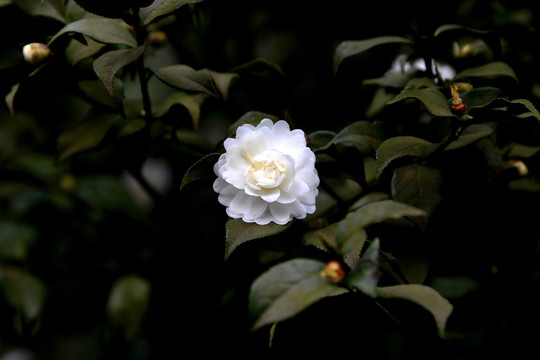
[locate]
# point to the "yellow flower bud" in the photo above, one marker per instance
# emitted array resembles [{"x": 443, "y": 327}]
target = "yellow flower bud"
[
  {"x": 35, "y": 53},
  {"x": 156, "y": 37}
]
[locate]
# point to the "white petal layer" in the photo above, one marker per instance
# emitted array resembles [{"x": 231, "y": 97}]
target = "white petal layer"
[{"x": 267, "y": 174}]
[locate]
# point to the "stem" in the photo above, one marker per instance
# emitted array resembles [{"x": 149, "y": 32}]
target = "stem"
[{"x": 141, "y": 71}]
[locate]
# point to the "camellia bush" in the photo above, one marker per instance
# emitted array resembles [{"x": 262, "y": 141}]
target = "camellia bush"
[{"x": 165, "y": 191}]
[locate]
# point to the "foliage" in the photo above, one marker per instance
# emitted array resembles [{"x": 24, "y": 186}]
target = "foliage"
[{"x": 427, "y": 139}]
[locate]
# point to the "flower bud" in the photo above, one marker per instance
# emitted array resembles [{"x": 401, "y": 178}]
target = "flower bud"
[
  {"x": 35, "y": 53},
  {"x": 156, "y": 37},
  {"x": 463, "y": 51},
  {"x": 520, "y": 167},
  {"x": 333, "y": 272},
  {"x": 457, "y": 104}
]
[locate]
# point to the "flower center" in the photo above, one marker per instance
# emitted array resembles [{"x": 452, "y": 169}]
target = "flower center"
[{"x": 268, "y": 170}]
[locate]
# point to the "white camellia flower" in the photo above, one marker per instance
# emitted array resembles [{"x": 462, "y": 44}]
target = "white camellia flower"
[{"x": 267, "y": 174}]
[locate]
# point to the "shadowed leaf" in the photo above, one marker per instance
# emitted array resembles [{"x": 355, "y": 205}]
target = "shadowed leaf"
[
  {"x": 202, "y": 169},
  {"x": 239, "y": 232},
  {"x": 424, "y": 296},
  {"x": 162, "y": 7},
  {"x": 288, "y": 288},
  {"x": 101, "y": 30},
  {"x": 355, "y": 47},
  {"x": 107, "y": 65}
]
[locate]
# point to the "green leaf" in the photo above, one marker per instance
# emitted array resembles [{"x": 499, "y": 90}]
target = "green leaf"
[
  {"x": 494, "y": 69},
  {"x": 95, "y": 91},
  {"x": 107, "y": 65},
  {"x": 222, "y": 81},
  {"x": 10, "y": 98},
  {"x": 107, "y": 8},
  {"x": 239, "y": 232},
  {"x": 202, "y": 169},
  {"x": 106, "y": 31},
  {"x": 433, "y": 99},
  {"x": 162, "y": 7},
  {"x": 424, "y": 296},
  {"x": 400, "y": 146},
  {"x": 287, "y": 289},
  {"x": 127, "y": 303},
  {"x": 365, "y": 275},
  {"x": 489, "y": 37},
  {"x": 77, "y": 51},
  {"x": 521, "y": 108},
  {"x": 361, "y": 134},
  {"x": 470, "y": 135},
  {"x": 454, "y": 287},
  {"x": 516, "y": 150},
  {"x": 417, "y": 185},
  {"x": 323, "y": 238},
  {"x": 86, "y": 135},
  {"x": 15, "y": 239},
  {"x": 191, "y": 102},
  {"x": 54, "y": 9},
  {"x": 25, "y": 292},
  {"x": 184, "y": 77},
  {"x": 261, "y": 68},
  {"x": 105, "y": 192},
  {"x": 369, "y": 214},
  {"x": 480, "y": 97},
  {"x": 355, "y": 47}
]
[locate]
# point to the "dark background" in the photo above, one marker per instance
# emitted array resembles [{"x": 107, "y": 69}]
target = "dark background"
[{"x": 198, "y": 304}]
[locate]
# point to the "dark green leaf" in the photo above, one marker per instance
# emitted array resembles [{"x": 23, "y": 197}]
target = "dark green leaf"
[
  {"x": 102, "y": 30},
  {"x": 184, "y": 77},
  {"x": 489, "y": 37},
  {"x": 191, "y": 102},
  {"x": 96, "y": 92},
  {"x": 371, "y": 213},
  {"x": 454, "y": 287},
  {"x": 107, "y": 8},
  {"x": 521, "y": 108},
  {"x": 401, "y": 146},
  {"x": 323, "y": 238},
  {"x": 320, "y": 140},
  {"x": 355, "y": 47},
  {"x": 479, "y": 97},
  {"x": 365, "y": 275},
  {"x": 15, "y": 239},
  {"x": 10, "y": 98},
  {"x": 162, "y": 7},
  {"x": 260, "y": 67},
  {"x": 85, "y": 135},
  {"x": 202, "y": 169},
  {"x": 25, "y": 292},
  {"x": 127, "y": 303},
  {"x": 223, "y": 81},
  {"x": 471, "y": 134},
  {"x": 493, "y": 69},
  {"x": 417, "y": 185},
  {"x": 433, "y": 99},
  {"x": 424, "y": 296},
  {"x": 77, "y": 51},
  {"x": 238, "y": 232},
  {"x": 51, "y": 9},
  {"x": 105, "y": 192},
  {"x": 515, "y": 150},
  {"x": 361, "y": 134},
  {"x": 107, "y": 65},
  {"x": 287, "y": 289}
]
